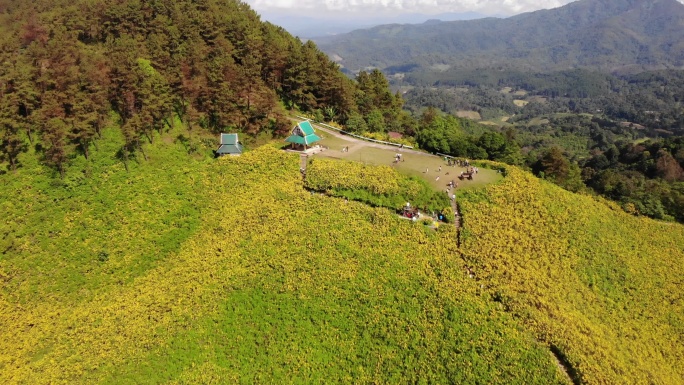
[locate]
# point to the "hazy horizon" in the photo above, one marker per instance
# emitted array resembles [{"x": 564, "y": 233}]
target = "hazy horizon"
[
  {"x": 365, "y": 10},
  {"x": 318, "y": 18}
]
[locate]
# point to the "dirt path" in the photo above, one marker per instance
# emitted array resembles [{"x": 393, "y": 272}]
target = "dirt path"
[
  {"x": 457, "y": 217},
  {"x": 359, "y": 143}
]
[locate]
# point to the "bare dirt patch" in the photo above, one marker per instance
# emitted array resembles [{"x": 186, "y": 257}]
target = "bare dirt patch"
[
  {"x": 538, "y": 99},
  {"x": 474, "y": 115}
]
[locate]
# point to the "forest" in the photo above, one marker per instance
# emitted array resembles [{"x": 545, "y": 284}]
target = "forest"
[
  {"x": 213, "y": 65},
  {"x": 651, "y": 98}
]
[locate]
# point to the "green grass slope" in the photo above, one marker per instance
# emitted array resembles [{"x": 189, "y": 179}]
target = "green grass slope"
[
  {"x": 63, "y": 239},
  {"x": 600, "y": 286},
  {"x": 193, "y": 271}
]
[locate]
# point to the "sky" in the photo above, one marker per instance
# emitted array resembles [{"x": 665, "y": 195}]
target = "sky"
[{"x": 331, "y": 9}]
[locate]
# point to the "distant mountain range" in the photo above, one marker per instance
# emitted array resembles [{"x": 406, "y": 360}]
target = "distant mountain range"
[
  {"x": 605, "y": 35},
  {"x": 314, "y": 27}
]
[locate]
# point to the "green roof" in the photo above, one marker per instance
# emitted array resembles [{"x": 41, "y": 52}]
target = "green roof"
[
  {"x": 229, "y": 149},
  {"x": 229, "y": 145},
  {"x": 229, "y": 139},
  {"x": 303, "y": 133},
  {"x": 306, "y": 127},
  {"x": 307, "y": 140}
]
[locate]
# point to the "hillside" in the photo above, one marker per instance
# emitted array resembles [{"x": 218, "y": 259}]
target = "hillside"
[
  {"x": 606, "y": 35},
  {"x": 602, "y": 288},
  {"x": 184, "y": 270},
  {"x": 188, "y": 271}
]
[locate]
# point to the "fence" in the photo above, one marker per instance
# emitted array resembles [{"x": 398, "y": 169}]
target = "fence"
[
  {"x": 446, "y": 155},
  {"x": 358, "y": 136}
]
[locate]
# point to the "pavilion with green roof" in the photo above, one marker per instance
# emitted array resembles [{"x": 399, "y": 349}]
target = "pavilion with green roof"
[
  {"x": 230, "y": 145},
  {"x": 303, "y": 136}
]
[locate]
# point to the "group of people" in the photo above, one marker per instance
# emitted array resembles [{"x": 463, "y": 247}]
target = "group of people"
[
  {"x": 471, "y": 171},
  {"x": 457, "y": 162}
]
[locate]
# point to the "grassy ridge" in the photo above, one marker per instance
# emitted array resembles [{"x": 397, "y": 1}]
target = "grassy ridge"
[
  {"x": 375, "y": 185},
  {"x": 600, "y": 285},
  {"x": 233, "y": 272}
]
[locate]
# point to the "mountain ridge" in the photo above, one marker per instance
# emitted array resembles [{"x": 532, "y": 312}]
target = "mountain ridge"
[
  {"x": 322, "y": 26},
  {"x": 608, "y": 36}
]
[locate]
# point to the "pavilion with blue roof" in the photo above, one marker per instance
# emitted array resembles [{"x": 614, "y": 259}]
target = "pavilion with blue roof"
[{"x": 303, "y": 136}]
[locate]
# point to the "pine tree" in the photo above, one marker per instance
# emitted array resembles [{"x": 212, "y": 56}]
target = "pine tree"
[
  {"x": 54, "y": 136},
  {"x": 11, "y": 142}
]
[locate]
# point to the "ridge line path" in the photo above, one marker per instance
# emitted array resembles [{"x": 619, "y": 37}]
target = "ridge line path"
[{"x": 366, "y": 143}]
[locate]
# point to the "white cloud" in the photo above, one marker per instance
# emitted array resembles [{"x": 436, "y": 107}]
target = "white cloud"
[{"x": 363, "y": 8}]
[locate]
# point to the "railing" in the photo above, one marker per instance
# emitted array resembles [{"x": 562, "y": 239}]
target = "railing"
[
  {"x": 358, "y": 136},
  {"x": 449, "y": 156}
]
